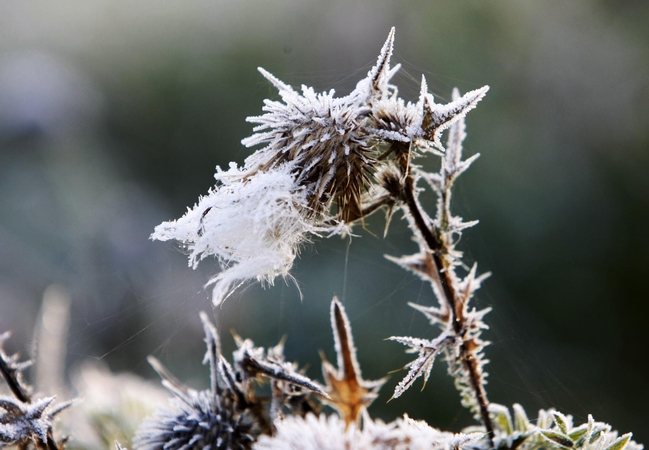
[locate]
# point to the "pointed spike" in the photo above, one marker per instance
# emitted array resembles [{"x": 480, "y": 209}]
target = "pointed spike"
[
  {"x": 443, "y": 116},
  {"x": 434, "y": 314},
  {"x": 456, "y": 94},
  {"x": 211, "y": 334},
  {"x": 388, "y": 218},
  {"x": 279, "y": 84},
  {"x": 41, "y": 405},
  {"x": 237, "y": 339},
  {"x": 169, "y": 381},
  {"x": 423, "y": 91},
  {"x": 213, "y": 350},
  {"x": 344, "y": 341},
  {"x": 383, "y": 62}
]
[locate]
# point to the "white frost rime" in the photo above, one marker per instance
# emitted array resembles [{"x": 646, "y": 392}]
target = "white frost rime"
[{"x": 253, "y": 226}]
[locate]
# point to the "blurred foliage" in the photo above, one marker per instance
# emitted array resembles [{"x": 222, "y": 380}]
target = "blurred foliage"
[{"x": 114, "y": 114}]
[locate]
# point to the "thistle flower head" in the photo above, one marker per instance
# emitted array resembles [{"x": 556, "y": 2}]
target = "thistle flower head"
[
  {"x": 216, "y": 418},
  {"x": 323, "y": 137},
  {"x": 197, "y": 419}
]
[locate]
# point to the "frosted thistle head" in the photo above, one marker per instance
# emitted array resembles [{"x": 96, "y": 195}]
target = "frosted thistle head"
[
  {"x": 323, "y": 139},
  {"x": 217, "y": 418}
]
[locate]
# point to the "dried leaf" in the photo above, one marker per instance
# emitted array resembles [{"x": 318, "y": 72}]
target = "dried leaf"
[{"x": 349, "y": 393}]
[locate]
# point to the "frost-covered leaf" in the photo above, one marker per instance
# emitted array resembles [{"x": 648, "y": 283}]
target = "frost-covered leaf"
[
  {"x": 620, "y": 442},
  {"x": 558, "y": 438},
  {"x": 521, "y": 422},
  {"x": 561, "y": 421},
  {"x": 428, "y": 350},
  {"x": 501, "y": 418},
  {"x": 437, "y": 118},
  {"x": 422, "y": 265},
  {"x": 281, "y": 371}
]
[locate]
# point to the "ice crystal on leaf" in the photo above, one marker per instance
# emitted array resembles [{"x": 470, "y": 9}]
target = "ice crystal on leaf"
[{"x": 428, "y": 350}]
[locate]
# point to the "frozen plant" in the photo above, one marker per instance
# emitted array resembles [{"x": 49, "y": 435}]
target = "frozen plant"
[
  {"x": 314, "y": 175},
  {"x": 232, "y": 415},
  {"x": 229, "y": 415},
  {"x": 552, "y": 430},
  {"x": 325, "y": 163}
]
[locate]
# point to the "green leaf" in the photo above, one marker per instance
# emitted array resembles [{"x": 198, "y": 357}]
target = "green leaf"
[
  {"x": 521, "y": 422},
  {"x": 578, "y": 432},
  {"x": 598, "y": 431},
  {"x": 558, "y": 438},
  {"x": 583, "y": 433},
  {"x": 561, "y": 421},
  {"x": 520, "y": 440},
  {"x": 620, "y": 442},
  {"x": 501, "y": 418}
]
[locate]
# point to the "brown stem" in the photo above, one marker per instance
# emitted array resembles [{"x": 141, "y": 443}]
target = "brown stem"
[
  {"x": 436, "y": 247},
  {"x": 12, "y": 382}
]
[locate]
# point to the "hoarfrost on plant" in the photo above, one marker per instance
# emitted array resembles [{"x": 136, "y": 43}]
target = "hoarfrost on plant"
[{"x": 253, "y": 225}]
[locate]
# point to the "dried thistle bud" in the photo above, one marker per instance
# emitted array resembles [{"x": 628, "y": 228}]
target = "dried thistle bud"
[
  {"x": 21, "y": 423},
  {"x": 324, "y": 138},
  {"x": 218, "y": 418}
]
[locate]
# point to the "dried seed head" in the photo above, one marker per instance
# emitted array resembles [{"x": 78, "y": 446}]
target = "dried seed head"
[
  {"x": 198, "y": 419},
  {"x": 324, "y": 139}
]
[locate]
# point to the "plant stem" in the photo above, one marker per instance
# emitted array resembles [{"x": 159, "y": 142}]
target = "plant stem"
[
  {"x": 12, "y": 382},
  {"x": 437, "y": 248}
]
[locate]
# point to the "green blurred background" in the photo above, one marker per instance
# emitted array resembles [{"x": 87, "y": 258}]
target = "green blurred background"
[{"x": 114, "y": 114}]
